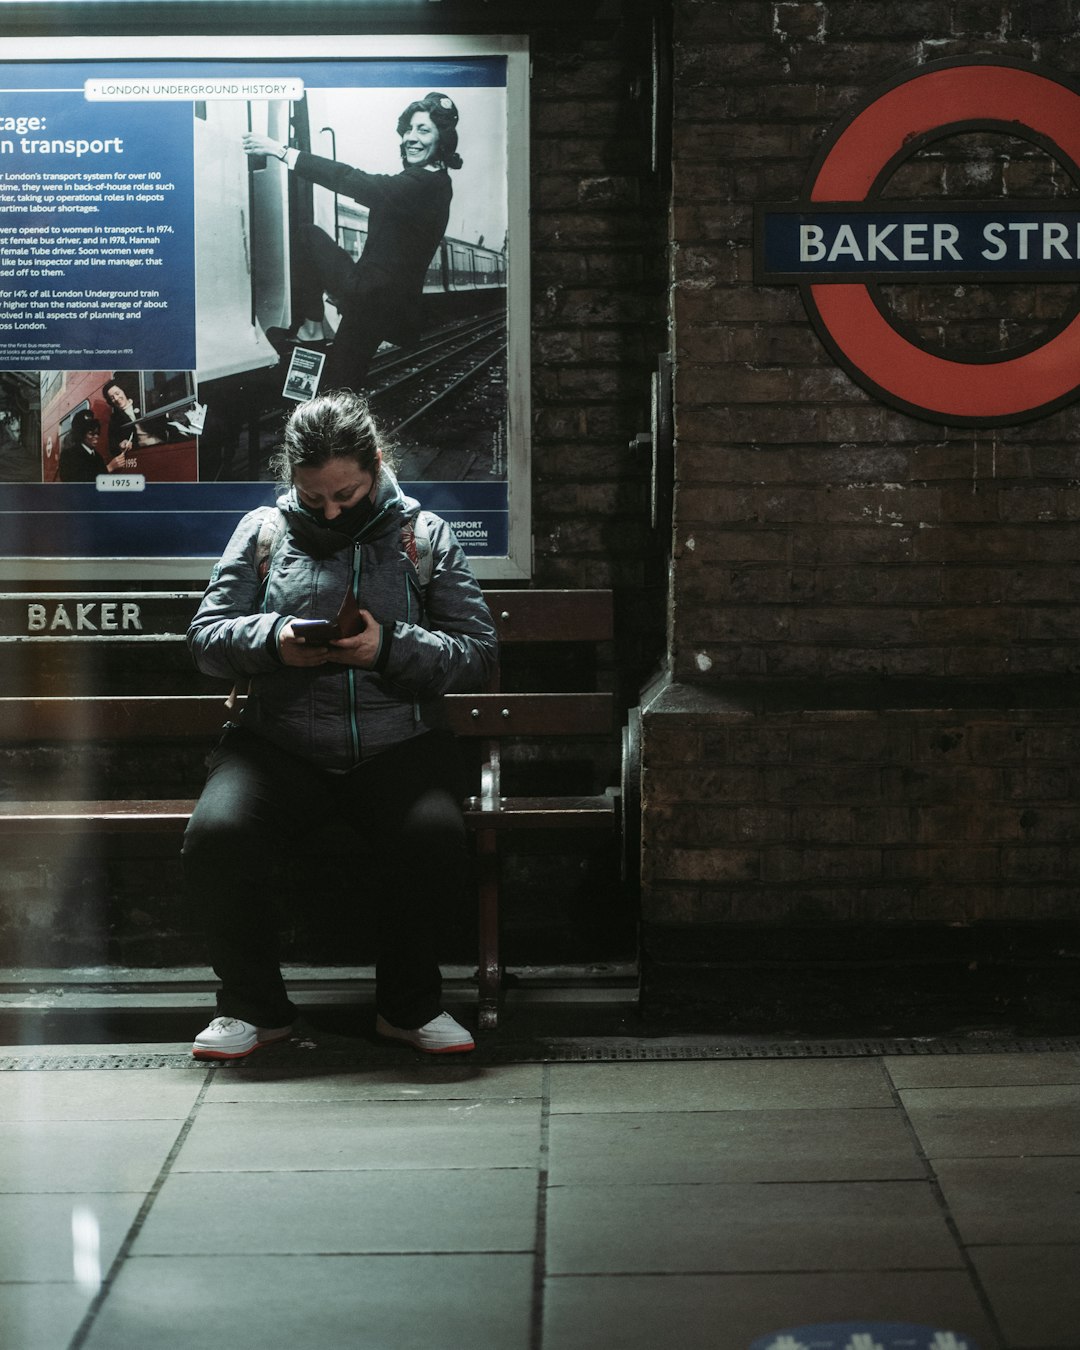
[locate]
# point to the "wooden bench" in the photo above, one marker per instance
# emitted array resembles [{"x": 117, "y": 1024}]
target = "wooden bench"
[{"x": 492, "y": 717}]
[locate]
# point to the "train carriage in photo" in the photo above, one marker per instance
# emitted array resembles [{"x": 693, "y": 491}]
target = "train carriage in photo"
[{"x": 247, "y": 212}]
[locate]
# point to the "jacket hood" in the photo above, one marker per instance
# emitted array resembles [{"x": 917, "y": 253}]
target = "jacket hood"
[{"x": 392, "y": 509}]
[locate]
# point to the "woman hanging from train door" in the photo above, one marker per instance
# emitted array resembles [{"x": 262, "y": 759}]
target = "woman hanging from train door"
[{"x": 378, "y": 295}]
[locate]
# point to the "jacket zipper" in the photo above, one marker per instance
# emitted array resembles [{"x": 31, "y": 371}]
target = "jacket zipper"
[
  {"x": 350, "y": 671},
  {"x": 409, "y": 619}
]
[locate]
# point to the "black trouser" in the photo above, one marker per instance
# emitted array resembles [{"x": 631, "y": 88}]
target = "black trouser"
[
  {"x": 260, "y": 803},
  {"x": 323, "y": 267}
]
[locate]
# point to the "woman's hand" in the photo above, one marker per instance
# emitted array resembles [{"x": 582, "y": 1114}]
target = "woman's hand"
[
  {"x": 262, "y": 145},
  {"x": 361, "y": 650},
  {"x": 295, "y": 651}
]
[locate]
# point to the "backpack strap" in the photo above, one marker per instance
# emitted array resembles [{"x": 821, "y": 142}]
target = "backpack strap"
[{"x": 271, "y": 533}]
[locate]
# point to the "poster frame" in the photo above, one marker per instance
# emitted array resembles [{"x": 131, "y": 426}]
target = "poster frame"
[{"x": 516, "y": 564}]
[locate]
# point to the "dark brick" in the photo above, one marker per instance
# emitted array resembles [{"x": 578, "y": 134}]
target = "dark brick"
[
  {"x": 1055, "y": 902},
  {"x": 702, "y": 547},
  {"x": 702, "y": 784},
  {"x": 755, "y": 744},
  {"x": 1039, "y": 783},
  {"x": 1047, "y": 623},
  {"x": 1038, "y": 863},
  {"x": 1000, "y": 624},
  {"x": 976, "y": 586},
  {"x": 707, "y": 865},
  {"x": 955, "y": 863},
  {"x": 913, "y": 785},
  {"x": 853, "y": 545},
  {"x": 681, "y": 825},
  {"x": 757, "y": 824},
  {"x": 946, "y": 904},
  {"x": 800, "y": 21},
  {"x": 882, "y": 825},
  {"x": 872, "y": 19},
  {"x": 857, "y": 738},
  {"x": 741, "y": 662},
  {"x": 816, "y": 864},
  {"x": 824, "y": 824},
  {"x": 967, "y": 821},
  {"x": 771, "y": 505},
  {"x": 881, "y": 584},
  {"x": 874, "y": 62},
  {"x": 825, "y": 783}
]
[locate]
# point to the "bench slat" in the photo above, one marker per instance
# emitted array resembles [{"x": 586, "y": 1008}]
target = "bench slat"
[
  {"x": 163, "y": 616},
  {"x": 529, "y": 714},
  {"x": 80, "y": 817},
  {"x": 180, "y": 716},
  {"x": 524, "y": 813},
  {"x": 111, "y": 718},
  {"x": 148, "y": 817},
  {"x": 552, "y": 616}
]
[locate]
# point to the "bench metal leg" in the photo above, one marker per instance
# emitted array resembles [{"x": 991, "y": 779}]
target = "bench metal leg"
[{"x": 490, "y": 966}]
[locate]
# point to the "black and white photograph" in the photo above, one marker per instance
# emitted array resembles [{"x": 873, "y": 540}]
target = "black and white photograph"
[{"x": 378, "y": 236}]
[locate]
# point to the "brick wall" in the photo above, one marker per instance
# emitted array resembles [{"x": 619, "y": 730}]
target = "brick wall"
[
  {"x": 599, "y": 315},
  {"x": 781, "y": 814},
  {"x": 844, "y": 574},
  {"x": 819, "y": 533}
]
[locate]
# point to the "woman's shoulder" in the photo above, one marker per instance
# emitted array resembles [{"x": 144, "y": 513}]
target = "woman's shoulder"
[
  {"x": 431, "y": 182},
  {"x": 261, "y": 527}
]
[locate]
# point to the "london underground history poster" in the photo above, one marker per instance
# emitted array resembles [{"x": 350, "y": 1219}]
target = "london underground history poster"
[{"x": 156, "y": 319}]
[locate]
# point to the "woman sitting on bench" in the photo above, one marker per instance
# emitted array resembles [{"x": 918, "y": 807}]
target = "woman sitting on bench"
[{"x": 340, "y": 724}]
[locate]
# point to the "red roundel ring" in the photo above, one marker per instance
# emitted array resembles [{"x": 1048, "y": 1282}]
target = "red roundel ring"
[{"x": 1011, "y": 389}]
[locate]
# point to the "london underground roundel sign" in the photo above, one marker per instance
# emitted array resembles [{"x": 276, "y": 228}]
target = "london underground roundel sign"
[{"x": 845, "y": 238}]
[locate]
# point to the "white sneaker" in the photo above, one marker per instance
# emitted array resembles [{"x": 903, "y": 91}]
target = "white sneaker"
[
  {"x": 230, "y": 1038},
  {"x": 441, "y": 1036}
]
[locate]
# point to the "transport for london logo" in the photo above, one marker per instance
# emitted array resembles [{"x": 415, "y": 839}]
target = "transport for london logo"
[{"x": 845, "y": 239}]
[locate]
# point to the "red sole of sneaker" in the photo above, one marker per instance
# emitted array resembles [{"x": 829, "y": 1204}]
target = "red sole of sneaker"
[
  {"x": 461, "y": 1049},
  {"x": 221, "y": 1054},
  {"x": 238, "y": 1054}
]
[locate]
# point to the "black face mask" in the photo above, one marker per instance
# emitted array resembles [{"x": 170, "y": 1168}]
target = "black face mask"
[{"x": 350, "y": 521}]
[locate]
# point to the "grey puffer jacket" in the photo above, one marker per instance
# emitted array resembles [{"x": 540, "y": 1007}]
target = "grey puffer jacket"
[{"x": 334, "y": 716}]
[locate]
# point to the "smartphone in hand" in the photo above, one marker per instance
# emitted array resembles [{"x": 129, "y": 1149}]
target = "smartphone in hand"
[{"x": 316, "y": 632}]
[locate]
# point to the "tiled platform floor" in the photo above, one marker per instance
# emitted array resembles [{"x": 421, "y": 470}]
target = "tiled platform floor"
[{"x": 403, "y": 1203}]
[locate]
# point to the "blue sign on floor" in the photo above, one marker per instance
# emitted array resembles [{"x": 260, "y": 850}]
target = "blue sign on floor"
[{"x": 864, "y": 1336}]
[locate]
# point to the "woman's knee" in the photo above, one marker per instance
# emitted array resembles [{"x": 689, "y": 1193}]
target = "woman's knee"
[
  {"x": 218, "y": 839},
  {"x": 434, "y": 824}
]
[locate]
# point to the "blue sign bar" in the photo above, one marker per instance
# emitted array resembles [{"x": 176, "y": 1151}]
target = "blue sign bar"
[
  {"x": 174, "y": 519},
  {"x": 849, "y": 242}
]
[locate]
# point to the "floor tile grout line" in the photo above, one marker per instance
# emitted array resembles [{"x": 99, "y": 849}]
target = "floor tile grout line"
[
  {"x": 758, "y": 1272},
  {"x": 641, "y": 1049},
  {"x": 90, "y": 1317},
  {"x": 539, "y": 1277},
  {"x": 938, "y": 1193},
  {"x": 386, "y": 1254}
]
